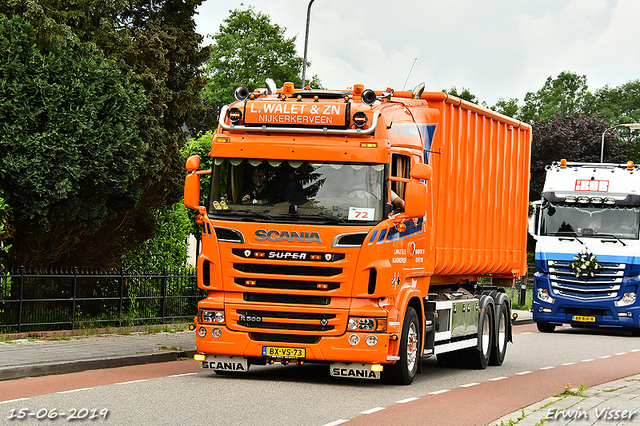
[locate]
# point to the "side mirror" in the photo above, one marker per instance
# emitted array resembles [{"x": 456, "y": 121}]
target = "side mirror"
[
  {"x": 192, "y": 183},
  {"x": 415, "y": 203},
  {"x": 193, "y": 163},
  {"x": 534, "y": 210},
  {"x": 192, "y": 191},
  {"x": 421, "y": 171}
]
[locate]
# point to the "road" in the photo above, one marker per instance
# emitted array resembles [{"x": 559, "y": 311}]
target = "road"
[{"x": 537, "y": 365}]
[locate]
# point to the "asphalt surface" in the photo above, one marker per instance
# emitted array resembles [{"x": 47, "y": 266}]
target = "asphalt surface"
[{"x": 38, "y": 354}]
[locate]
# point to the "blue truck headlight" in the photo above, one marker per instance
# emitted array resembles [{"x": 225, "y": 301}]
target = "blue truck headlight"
[
  {"x": 627, "y": 299},
  {"x": 544, "y": 296}
]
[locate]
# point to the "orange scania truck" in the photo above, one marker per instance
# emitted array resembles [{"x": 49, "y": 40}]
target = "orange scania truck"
[{"x": 367, "y": 230}]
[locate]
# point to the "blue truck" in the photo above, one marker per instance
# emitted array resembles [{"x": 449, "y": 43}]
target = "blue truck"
[{"x": 587, "y": 256}]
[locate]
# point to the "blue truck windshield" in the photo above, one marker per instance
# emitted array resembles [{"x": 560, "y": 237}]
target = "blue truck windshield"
[
  {"x": 347, "y": 193},
  {"x": 590, "y": 221}
]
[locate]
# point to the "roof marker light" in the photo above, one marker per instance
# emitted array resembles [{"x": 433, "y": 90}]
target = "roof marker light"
[
  {"x": 235, "y": 115},
  {"x": 360, "y": 119},
  {"x": 629, "y": 165},
  {"x": 563, "y": 164}
]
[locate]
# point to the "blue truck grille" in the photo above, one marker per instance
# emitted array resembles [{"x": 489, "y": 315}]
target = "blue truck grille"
[{"x": 604, "y": 285}]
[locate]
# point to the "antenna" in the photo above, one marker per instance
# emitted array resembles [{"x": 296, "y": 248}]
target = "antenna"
[
  {"x": 410, "y": 71},
  {"x": 403, "y": 87}
]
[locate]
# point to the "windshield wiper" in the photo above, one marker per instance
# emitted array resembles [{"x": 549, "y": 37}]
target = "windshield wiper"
[
  {"x": 610, "y": 236},
  {"x": 324, "y": 216},
  {"x": 568, "y": 233},
  {"x": 251, "y": 212}
]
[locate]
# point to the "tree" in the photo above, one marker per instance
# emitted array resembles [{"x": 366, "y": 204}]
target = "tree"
[
  {"x": 509, "y": 108},
  {"x": 464, "y": 94},
  {"x": 124, "y": 76},
  {"x": 247, "y": 50},
  {"x": 621, "y": 105},
  {"x": 572, "y": 137},
  {"x": 566, "y": 94}
]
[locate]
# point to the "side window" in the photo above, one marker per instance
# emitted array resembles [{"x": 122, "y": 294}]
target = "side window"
[{"x": 400, "y": 166}]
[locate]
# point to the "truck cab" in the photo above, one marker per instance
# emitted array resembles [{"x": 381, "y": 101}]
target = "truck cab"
[{"x": 587, "y": 254}]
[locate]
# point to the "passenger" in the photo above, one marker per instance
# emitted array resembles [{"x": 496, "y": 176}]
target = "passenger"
[{"x": 258, "y": 191}]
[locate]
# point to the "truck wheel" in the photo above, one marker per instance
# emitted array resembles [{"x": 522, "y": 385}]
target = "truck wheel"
[
  {"x": 479, "y": 357},
  {"x": 404, "y": 370},
  {"x": 545, "y": 327},
  {"x": 500, "y": 348}
]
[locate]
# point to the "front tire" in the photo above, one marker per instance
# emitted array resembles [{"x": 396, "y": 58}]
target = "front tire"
[
  {"x": 405, "y": 369},
  {"x": 545, "y": 327}
]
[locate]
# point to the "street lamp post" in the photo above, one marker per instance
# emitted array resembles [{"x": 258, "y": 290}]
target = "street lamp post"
[
  {"x": 630, "y": 126},
  {"x": 306, "y": 44}
]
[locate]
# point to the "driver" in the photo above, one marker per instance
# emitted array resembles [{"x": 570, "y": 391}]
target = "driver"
[{"x": 258, "y": 191}]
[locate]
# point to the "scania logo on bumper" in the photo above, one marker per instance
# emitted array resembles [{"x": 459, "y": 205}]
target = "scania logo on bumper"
[{"x": 288, "y": 236}]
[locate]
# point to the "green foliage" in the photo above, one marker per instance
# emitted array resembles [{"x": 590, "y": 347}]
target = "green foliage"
[
  {"x": 168, "y": 247},
  {"x": 509, "y": 108},
  {"x": 566, "y": 94},
  {"x": 574, "y": 138},
  {"x": 69, "y": 140},
  {"x": 95, "y": 106},
  {"x": 248, "y": 49},
  {"x": 463, "y": 94}
]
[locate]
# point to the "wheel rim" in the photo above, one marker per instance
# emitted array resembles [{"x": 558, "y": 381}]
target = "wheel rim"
[
  {"x": 412, "y": 346},
  {"x": 486, "y": 330},
  {"x": 502, "y": 331}
]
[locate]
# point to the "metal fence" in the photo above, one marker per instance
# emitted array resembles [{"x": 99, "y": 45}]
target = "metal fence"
[{"x": 50, "y": 300}]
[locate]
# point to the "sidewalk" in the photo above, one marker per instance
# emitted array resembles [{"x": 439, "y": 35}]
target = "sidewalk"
[
  {"x": 68, "y": 353},
  {"x": 613, "y": 403}
]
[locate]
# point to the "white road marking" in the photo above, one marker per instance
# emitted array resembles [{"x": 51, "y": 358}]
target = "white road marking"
[
  {"x": 404, "y": 401},
  {"x": 133, "y": 381},
  {"x": 373, "y": 410},
  {"x": 74, "y": 390}
]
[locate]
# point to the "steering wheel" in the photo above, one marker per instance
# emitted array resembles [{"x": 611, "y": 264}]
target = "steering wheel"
[{"x": 354, "y": 193}]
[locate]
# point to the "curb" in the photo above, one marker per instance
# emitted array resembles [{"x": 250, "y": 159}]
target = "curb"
[{"x": 20, "y": 372}]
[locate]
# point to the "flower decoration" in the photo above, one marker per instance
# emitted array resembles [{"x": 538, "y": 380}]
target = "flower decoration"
[{"x": 585, "y": 266}]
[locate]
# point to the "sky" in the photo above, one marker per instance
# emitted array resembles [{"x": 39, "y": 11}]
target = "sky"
[{"x": 495, "y": 48}]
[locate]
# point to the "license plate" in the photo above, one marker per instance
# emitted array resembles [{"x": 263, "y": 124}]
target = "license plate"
[
  {"x": 584, "y": 319},
  {"x": 276, "y": 352}
]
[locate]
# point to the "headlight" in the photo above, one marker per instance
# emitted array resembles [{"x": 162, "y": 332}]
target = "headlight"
[
  {"x": 627, "y": 299},
  {"x": 544, "y": 296},
  {"x": 216, "y": 317},
  {"x": 367, "y": 324}
]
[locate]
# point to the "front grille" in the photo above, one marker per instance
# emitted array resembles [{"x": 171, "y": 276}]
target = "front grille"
[
  {"x": 286, "y": 298},
  {"x": 289, "y": 315},
  {"x": 604, "y": 285},
  {"x": 255, "y": 268},
  {"x": 284, "y": 338},
  {"x": 288, "y": 285},
  {"x": 585, "y": 312},
  {"x": 278, "y": 320},
  {"x": 286, "y": 326}
]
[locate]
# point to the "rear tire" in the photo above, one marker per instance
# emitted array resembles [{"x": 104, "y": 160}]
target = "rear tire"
[
  {"x": 501, "y": 336},
  {"x": 545, "y": 327},
  {"x": 405, "y": 369},
  {"x": 478, "y": 358}
]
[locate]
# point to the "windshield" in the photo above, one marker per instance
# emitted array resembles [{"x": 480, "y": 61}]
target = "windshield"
[
  {"x": 350, "y": 193},
  {"x": 620, "y": 222}
]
